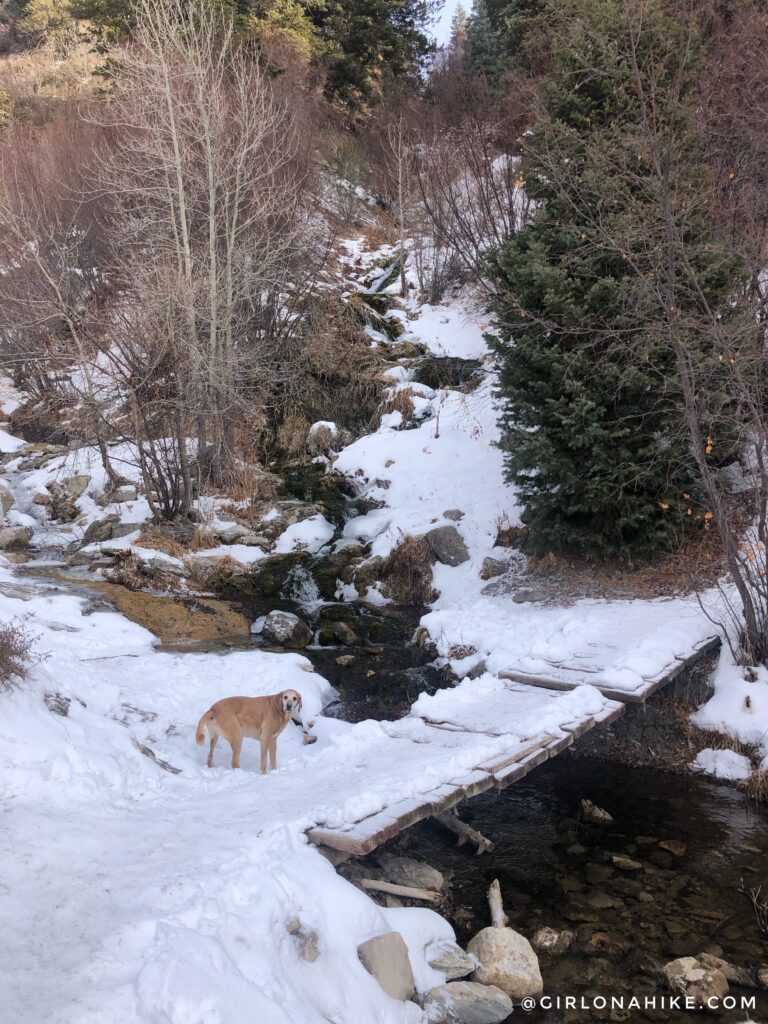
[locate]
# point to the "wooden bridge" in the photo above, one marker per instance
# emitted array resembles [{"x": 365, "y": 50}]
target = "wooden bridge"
[{"x": 526, "y": 719}]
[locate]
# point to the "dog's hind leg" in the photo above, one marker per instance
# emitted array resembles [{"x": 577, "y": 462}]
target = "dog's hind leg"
[{"x": 214, "y": 741}]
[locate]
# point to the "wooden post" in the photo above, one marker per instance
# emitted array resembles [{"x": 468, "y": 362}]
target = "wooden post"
[{"x": 498, "y": 918}]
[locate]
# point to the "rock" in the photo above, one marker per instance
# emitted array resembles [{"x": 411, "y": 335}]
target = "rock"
[
  {"x": 386, "y": 958},
  {"x": 530, "y": 594},
  {"x": 232, "y": 534},
  {"x": 75, "y": 486},
  {"x": 287, "y": 629},
  {"x": 256, "y": 540},
  {"x": 508, "y": 961},
  {"x": 594, "y": 814},
  {"x": 695, "y": 980},
  {"x": 123, "y": 529},
  {"x": 491, "y": 568},
  {"x": 404, "y": 871},
  {"x": 345, "y": 634},
  {"x": 453, "y": 513},
  {"x": 731, "y": 973},
  {"x": 101, "y": 529},
  {"x": 161, "y": 567},
  {"x": 58, "y": 704},
  {"x": 346, "y": 660},
  {"x": 41, "y": 498},
  {"x": 447, "y": 545},
  {"x": 7, "y": 500},
  {"x": 673, "y": 846},
  {"x": 450, "y": 959},
  {"x": 15, "y": 537},
  {"x": 552, "y": 941},
  {"x": 466, "y": 1002},
  {"x": 126, "y": 493},
  {"x": 623, "y": 863},
  {"x": 762, "y": 976},
  {"x": 602, "y": 944},
  {"x": 306, "y": 941}
]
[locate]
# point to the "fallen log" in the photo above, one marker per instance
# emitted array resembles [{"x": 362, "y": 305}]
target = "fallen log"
[
  {"x": 409, "y": 891},
  {"x": 466, "y": 834}
]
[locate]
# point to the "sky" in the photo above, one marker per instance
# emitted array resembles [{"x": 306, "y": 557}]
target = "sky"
[{"x": 442, "y": 28}]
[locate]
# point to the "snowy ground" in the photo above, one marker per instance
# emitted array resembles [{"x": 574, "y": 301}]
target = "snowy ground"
[{"x": 141, "y": 895}]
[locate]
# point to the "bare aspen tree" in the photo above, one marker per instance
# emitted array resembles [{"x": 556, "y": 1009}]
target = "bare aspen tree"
[{"x": 209, "y": 174}]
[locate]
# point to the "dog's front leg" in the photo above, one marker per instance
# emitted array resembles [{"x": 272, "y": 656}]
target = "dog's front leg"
[{"x": 264, "y": 748}]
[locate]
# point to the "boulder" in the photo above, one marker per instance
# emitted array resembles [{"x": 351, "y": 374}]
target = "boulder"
[
  {"x": 552, "y": 940},
  {"x": 159, "y": 567},
  {"x": 233, "y": 533},
  {"x": 345, "y": 634},
  {"x": 466, "y": 1002},
  {"x": 125, "y": 493},
  {"x": 450, "y": 959},
  {"x": 492, "y": 567},
  {"x": 123, "y": 529},
  {"x": 15, "y": 537},
  {"x": 508, "y": 961},
  {"x": 346, "y": 660},
  {"x": 447, "y": 545},
  {"x": 733, "y": 974},
  {"x": 101, "y": 529},
  {"x": 695, "y": 980},
  {"x": 287, "y": 629},
  {"x": 75, "y": 486},
  {"x": 404, "y": 871},
  {"x": 529, "y": 594},
  {"x": 7, "y": 500},
  {"x": 386, "y": 958}
]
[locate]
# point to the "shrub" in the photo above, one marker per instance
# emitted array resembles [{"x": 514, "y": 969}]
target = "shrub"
[
  {"x": 407, "y": 572},
  {"x": 15, "y": 653}
]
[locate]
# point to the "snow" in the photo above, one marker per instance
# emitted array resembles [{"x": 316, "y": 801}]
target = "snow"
[
  {"x": 422, "y": 472},
  {"x": 9, "y": 443},
  {"x": 171, "y": 895},
  {"x": 450, "y": 330},
  {"x": 723, "y": 764},
  {"x": 739, "y": 705},
  {"x": 308, "y": 535}
]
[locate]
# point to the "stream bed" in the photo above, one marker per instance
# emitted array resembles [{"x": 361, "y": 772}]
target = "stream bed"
[{"x": 556, "y": 871}]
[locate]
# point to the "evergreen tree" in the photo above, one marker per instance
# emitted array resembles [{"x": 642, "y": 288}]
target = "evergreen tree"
[
  {"x": 485, "y": 55},
  {"x": 591, "y": 406}
]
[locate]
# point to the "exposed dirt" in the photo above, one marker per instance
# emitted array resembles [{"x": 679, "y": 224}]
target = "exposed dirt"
[{"x": 172, "y": 618}]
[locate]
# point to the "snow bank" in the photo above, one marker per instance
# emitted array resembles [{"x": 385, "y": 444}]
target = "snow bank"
[
  {"x": 739, "y": 705},
  {"x": 723, "y": 764}
]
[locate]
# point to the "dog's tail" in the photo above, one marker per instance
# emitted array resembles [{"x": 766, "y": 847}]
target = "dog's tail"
[{"x": 200, "y": 736}]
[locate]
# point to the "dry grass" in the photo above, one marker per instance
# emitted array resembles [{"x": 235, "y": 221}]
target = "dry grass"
[
  {"x": 15, "y": 653},
  {"x": 157, "y": 537},
  {"x": 407, "y": 572},
  {"x": 756, "y": 786},
  {"x": 37, "y": 80},
  {"x": 381, "y": 231},
  {"x": 400, "y": 401}
]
